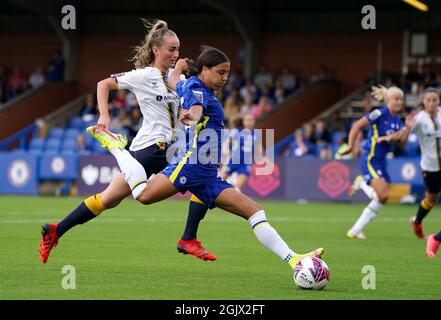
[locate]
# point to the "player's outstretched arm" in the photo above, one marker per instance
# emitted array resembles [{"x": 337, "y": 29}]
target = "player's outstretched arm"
[
  {"x": 355, "y": 130},
  {"x": 102, "y": 91}
]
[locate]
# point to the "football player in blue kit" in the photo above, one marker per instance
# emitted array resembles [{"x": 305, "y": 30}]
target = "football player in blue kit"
[
  {"x": 385, "y": 127},
  {"x": 197, "y": 171}
]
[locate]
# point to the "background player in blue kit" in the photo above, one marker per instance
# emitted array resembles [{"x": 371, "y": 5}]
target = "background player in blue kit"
[
  {"x": 385, "y": 127},
  {"x": 242, "y": 145},
  {"x": 197, "y": 171}
]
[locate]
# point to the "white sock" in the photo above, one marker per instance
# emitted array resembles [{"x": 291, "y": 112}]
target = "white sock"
[
  {"x": 132, "y": 171},
  {"x": 269, "y": 237},
  {"x": 368, "y": 190},
  {"x": 369, "y": 213}
]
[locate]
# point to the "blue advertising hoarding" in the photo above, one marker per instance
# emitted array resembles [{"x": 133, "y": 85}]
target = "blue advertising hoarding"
[{"x": 18, "y": 173}]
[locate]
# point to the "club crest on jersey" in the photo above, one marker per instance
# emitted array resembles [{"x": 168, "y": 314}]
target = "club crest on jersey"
[
  {"x": 154, "y": 84},
  {"x": 198, "y": 95},
  {"x": 183, "y": 180}
]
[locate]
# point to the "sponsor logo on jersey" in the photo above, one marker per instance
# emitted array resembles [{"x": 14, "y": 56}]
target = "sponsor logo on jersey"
[{"x": 198, "y": 95}]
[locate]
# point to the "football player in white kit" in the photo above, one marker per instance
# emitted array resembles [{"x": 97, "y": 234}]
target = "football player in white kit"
[
  {"x": 427, "y": 127},
  {"x": 159, "y": 107}
]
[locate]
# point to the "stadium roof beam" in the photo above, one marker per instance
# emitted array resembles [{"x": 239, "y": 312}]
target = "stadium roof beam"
[
  {"x": 248, "y": 17},
  {"x": 51, "y": 10}
]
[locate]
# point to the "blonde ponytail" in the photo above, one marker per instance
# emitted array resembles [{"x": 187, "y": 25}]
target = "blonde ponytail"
[
  {"x": 157, "y": 31},
  {"x": 379, "y": 93}
]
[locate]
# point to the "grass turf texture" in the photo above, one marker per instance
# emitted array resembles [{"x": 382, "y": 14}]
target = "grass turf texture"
[{"x": 130, "y": 253}]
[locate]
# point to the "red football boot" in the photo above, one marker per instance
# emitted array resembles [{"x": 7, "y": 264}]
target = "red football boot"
[
  {"x": 417, "y": 228},
  {"x": 50, "y": 240},
  {"x": 195, "y": 248}
]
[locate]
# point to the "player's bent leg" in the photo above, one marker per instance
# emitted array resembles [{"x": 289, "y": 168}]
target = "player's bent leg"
[
  {"x": 189, "y": 244},
  {"x": 89, "y": 209},
  {"x": 370, "y": 212},
  {"x": 233, "y": 201},
  {"x": 116, "y": 191},
  {"x": 159, "y": 188},
  {"x": 424, "y": 208}
]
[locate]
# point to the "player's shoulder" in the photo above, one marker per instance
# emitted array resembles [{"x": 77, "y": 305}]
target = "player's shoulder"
[{"x": 376, "y": 113}]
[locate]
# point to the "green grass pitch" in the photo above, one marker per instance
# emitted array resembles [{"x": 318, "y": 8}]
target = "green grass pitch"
[{"x": 130, "y": 253}]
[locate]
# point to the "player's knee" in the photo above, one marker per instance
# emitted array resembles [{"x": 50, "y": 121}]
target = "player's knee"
[
  {"x": 383, "y": 197},
  {"x": 145, "y": 199}
]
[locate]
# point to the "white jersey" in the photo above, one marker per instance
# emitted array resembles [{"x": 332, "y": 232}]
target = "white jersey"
[
  {"x": 158, "y": 104},
  {"x": 428, "y": 130}
]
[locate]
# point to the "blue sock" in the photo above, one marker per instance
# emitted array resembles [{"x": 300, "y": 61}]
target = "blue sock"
[
  {"x": 438, "y": 236},
  {"x": 196, "y": 212},
  {"x": 79, "y": 215}
]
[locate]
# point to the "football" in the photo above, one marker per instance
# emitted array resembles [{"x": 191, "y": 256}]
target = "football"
[{"x": 311, "y": 273}]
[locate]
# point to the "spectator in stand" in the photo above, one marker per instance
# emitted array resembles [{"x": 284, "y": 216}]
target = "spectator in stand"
[
  {"x": 89, "y": 111},
  {"x": 37, "y": 79},
  {"x": 261, "y": 108},
  {"x": 135, "y": 122},
  {"x": 248, "y": 90},
  {"x": 266, "y": 92},
  {"x": 235, "y": 79},
  {"x": 81, "y": 143},
  {"x": 118, "y": 103},
  {"x": 55, "y": 68},
  {"x": 300, "y": 146},
  {"x": 16, "y": 82},
  {"x": 279, "y": 93},
  {"x": 247, "y": 106},
  {"x": 342, "y": 145},
  {"x": 322, "y": 74},
  {"x": 287, "y": 80},
  {"x": 131, "y": 101},
  {"x": 263, "y": 79},
  {"x": 322, "y": 139},
  {"x": 232, "y": 107},
  {"x": 122, "y": 121},
  {"x": 428, "y": 77}
]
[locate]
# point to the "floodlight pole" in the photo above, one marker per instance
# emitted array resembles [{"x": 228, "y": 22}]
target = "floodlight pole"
[{"x": 51, "y": 10}]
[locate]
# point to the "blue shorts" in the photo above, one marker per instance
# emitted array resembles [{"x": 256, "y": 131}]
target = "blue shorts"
[
  {"x": 373, "y": 169},
  {"x": 204, "y": 184},
  {"x": 239, "y": 168}
]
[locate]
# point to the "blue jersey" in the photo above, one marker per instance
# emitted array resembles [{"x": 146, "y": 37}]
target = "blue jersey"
[
  {"x": 382, "y": 124},
  {"x": 194, "y": 92},
  {"x": 193, "y": 172}
]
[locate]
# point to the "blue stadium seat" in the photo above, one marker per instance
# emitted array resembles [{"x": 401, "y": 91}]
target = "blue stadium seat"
[
  {"x": 71, "y": 133},
  {"x": 90, "y": 141},
  {"x": 412, "y": 148},
  {"x": 69, "y": 144},
  {"x": 36, "y": 144},
  {"x": 76, "y": 123},
  {"x": 337, "y": 135},
  {"x": 56, "y": 133},
  {"x": 90, "y": 122},
  {"x": 68, "y": 151},
  {"x": 84, "y": 152},
  {"x": 98, "y": 149},
  {"x": 53, "y": 144}
]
